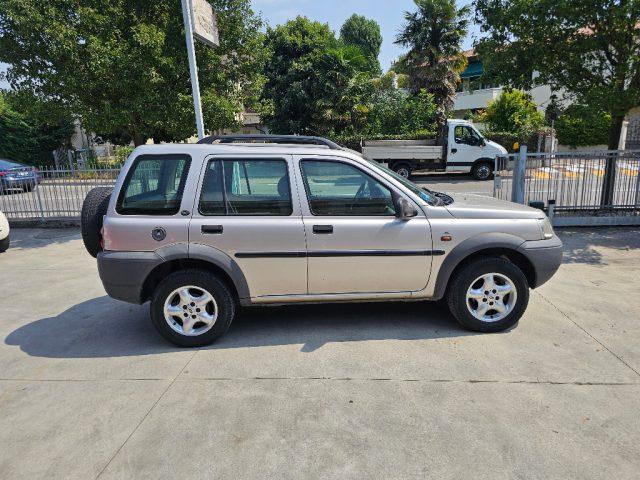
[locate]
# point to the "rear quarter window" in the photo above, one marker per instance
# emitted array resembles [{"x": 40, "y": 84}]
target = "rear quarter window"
[{"x": 154, "y": 185}]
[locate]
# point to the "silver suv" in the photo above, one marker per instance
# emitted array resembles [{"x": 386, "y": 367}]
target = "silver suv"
[{"x": 199, "y": 230}]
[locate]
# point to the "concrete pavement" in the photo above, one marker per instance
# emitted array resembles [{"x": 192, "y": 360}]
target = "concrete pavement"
[{"x": 89, "y": 390}]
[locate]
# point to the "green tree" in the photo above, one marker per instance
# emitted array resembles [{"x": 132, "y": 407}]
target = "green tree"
[
  {"x": 365, "y": 34},
  {"x": 31, "y": 129},
  {"x": 514, "y": 112},
  {"x": 587, "y": 48},
  {"x": 581, "y": 125},
  {"x": 434, "y": 61},
  {"x": 122, "y": 65},
  {"x": 313, "y": 82},
  {"x": 394, "y": 111}
]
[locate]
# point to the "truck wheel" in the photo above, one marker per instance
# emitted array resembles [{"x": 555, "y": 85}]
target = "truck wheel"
[
  {"x": 482, "y": 170},
  {"x": 192, "y": 308},
  {"x": 94, "y": 208},
  {"x": 488, "y": 295},
  {"x": 4, "y": 244},
  {"x": 402, "y": 169}
]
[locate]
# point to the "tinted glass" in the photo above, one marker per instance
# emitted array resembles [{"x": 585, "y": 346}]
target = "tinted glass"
[
  {"x": 154, "y": 185},
  {"x": 335, "y": 188},
  {"x": 466, "y": 135},
  {"x": 7, "y": 164},
  {"x": 246, "y": 187}
]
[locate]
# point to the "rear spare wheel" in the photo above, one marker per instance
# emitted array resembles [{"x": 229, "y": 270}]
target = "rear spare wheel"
[{"x": 93, "y": 209}]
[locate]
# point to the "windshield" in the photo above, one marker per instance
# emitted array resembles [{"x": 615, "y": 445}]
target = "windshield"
[
  {"x": 8, "y": 164},
  {"x": 422, "y": 193}
]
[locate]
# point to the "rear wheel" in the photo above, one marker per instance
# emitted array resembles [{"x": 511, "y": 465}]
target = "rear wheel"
[
  {"x": 482, "y": 170},
  {"x": 192, "y": 308},
  {"x": 488, "y": 295},
  {"x": 402, "y": 169},
  {"x": 94, "y": 209}
]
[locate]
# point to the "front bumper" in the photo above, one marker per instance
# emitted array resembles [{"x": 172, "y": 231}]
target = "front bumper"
[
  {"x": 545, "y": 256},
  {"x": 19, "y": 182},
  {"x": 123, "y": 273}
]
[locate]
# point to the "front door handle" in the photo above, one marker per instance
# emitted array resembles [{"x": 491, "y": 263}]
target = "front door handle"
[
  {"x": 212, "y": 229},
  {"x": 454, "y": 150},
  {"x": 323, "y": 229}
]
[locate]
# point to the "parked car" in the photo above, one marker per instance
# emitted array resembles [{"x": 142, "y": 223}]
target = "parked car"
[
  {"x": 16, "y": 176},
  {"x": 198, "y": 230},
  {"x": 4, "y": 233},
  {"x": 464, "y": 150}
]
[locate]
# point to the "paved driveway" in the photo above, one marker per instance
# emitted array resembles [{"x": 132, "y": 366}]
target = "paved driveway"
[{"x": 89, "y": 390}]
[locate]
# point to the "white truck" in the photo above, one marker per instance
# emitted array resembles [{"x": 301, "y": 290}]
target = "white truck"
[{"x": 465, "y": 150}]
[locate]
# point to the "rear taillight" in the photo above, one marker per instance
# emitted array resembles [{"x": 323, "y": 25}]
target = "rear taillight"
[{"x": 2, "y": 174}]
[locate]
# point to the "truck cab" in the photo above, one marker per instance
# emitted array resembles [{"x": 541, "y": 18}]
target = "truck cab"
[{"x": 465, "y": 150}]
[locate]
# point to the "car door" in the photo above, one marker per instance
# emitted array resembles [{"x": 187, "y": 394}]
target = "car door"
[
  {"x": 247, "y": 208},
  {"x": 464, "y": 148},
  {"x": 355, "y": 243}
]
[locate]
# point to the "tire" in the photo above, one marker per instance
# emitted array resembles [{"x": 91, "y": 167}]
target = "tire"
[
  {"x": 94, "y": 209},
  {"x": 402, "y": 169},
  {"x": 205, "y": 282},
  {"x": 469, "y": 276},
  {"x": 482, "y": 171},
  {"x": 4, "y": 244}
]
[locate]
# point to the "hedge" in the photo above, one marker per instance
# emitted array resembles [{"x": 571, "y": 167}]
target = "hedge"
[{"x": 354, "y": 142}]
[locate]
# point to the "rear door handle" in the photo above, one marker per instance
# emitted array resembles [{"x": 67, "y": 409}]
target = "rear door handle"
[
  {"x": 212, "y": 229},
  {"x": 323, "y": 229}
]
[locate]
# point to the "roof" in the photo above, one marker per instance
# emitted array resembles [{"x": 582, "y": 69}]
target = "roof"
[{"x": 243, "y": 149}]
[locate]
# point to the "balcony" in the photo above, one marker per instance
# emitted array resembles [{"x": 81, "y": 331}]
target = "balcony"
[{"x": 474, "y": 99}]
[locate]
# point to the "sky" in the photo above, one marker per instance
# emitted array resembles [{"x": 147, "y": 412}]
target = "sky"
[{"x": 388, "y": 13}]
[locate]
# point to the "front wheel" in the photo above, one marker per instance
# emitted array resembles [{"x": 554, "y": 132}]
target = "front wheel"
[
  {"x": 192, "y": 308},
  {"x": 482, "y": 171},
  {"x": 4, "y": 244},
  {"x": 488, "y": 295}
]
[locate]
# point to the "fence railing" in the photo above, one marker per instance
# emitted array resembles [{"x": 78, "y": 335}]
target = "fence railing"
[
  {"x": 57, "y": 193},
  {"x": 599, "y": 183}
]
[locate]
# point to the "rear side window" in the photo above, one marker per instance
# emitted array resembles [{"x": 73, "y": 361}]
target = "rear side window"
[
  {"x": 154, "y": 185},
  {"x": 246, "y": 187},
  {"x": 336, "y": 188}
]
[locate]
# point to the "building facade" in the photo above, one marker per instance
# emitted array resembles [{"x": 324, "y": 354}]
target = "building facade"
[{"x": 475, "y": 93}]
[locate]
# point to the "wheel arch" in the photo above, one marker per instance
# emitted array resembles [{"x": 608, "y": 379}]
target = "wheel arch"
[
  {"x": 200, "y": 257},
  {"x": 482, "y": 246}
]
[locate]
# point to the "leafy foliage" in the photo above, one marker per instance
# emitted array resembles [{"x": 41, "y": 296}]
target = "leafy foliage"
[
  {"x": 513, "y": 111},
  {"x": 122, "y": 65},
  {"x": 365, "y": 34},
  {"x": 29, "y": 130},
  {"x": 580, "y": 125},
  {"x": 587, "y": 48},
  {"x": 434, "y": 62}
]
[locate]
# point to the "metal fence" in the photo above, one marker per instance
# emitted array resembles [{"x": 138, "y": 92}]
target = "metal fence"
[
  {"x": 574, "y": 184},
  {"x": 58, "y": 193}
]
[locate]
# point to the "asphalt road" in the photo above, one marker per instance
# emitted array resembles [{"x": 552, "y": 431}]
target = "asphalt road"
[{"x": 89, "y": 390}]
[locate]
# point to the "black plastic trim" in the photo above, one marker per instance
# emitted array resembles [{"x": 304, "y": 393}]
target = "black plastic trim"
[
  {"x": 282, "y": 139},
  {"x": 342, "y": 253}
]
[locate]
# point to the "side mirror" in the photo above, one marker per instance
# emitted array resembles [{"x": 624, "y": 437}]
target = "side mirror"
[
  {"x": 483, "y": 142},
  {"x": 404, "y": 210}
]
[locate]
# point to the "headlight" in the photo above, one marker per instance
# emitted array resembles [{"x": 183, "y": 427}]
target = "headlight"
[{"x": 546, "y": 228}]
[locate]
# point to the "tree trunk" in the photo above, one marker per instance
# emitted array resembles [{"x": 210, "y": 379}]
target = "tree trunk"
[
  {"x": 609, "y": 179},
  {"x": 441, "y": 126}
]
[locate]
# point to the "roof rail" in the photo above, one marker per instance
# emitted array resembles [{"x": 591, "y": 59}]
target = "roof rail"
[{"x": 285, "y": 139}]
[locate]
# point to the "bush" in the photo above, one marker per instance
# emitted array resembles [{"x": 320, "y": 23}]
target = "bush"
[
  {"x": 580, "y": 125},
  {"x": 508, "y": 139},
  {"x": 515, "y": 112},
  {"x": 122, "y": 153}
]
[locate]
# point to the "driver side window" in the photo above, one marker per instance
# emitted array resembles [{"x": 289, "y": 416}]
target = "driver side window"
[
  {"x": 339, "y": 189},
  {"x": 465, "y": 135}
]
